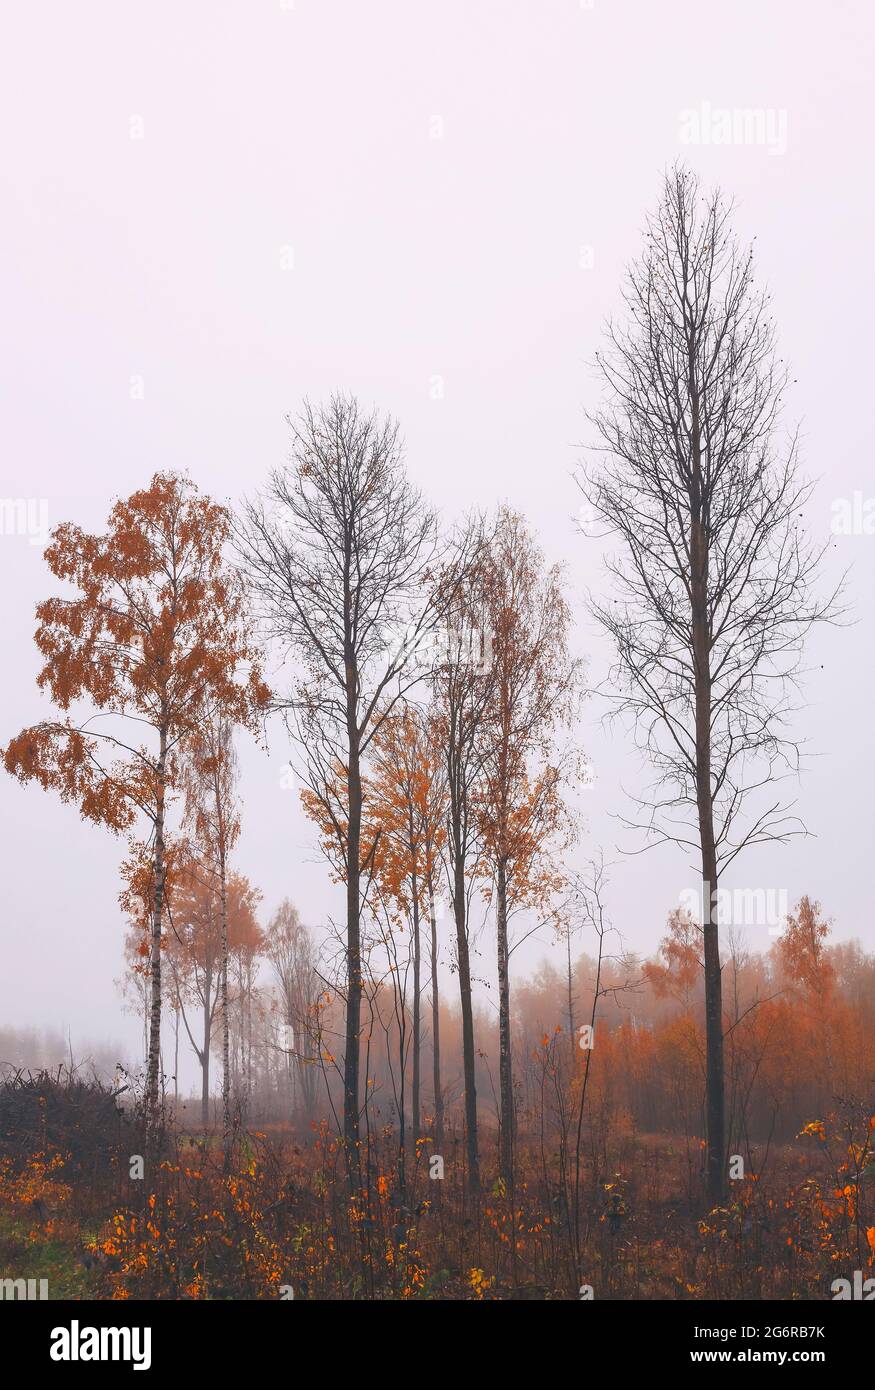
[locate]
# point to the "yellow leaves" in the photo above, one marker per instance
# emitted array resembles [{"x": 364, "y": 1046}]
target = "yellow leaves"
[
  {"x": 848, "y": 1195},
  {"x": 479, "y": 1282},
  {"x": 37, "y": 1183},
  {"x": 870, "y": 1239}
]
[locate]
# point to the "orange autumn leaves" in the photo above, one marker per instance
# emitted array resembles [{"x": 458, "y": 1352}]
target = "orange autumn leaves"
[
  {"x": 152, "y": 644},
  {"x": 533, "y": 686},
  {"x": 403, "y": 829},
  {"x": 154, "y": 632}
]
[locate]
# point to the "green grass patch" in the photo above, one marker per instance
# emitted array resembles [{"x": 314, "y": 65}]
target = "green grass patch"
[{"x": 58, "y": 1261}]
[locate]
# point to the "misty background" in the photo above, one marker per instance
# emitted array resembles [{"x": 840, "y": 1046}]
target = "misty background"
[{"x": 212, "y": 211}]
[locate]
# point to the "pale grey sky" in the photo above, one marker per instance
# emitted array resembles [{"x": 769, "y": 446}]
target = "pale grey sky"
[{"x": 211, "y": 210}]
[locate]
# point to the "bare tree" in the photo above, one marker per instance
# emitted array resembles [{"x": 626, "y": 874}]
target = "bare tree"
[
  {"x": 340, "y": 555},
  {"x": 713, "y": 590}
]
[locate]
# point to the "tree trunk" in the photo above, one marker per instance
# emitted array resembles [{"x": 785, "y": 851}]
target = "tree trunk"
[
  {"x": 417, "y": 1022},
  {"x": 226, "y": 1030},
  {"x": 248, "y": 1026},
  {"x": 205, "y": 1055},
  {"x": 714, "y": 1079},
  {"x": 353, "y": 960},
  {"x": 468, "y": 1055},
  {"x": 153, "y": 1066},
  {"x": 436, "y": 1029},
  {"x": 570, "y": 992},
  {"x": 505, "y": 1069},
  {"x": 291, "y": 1063}
]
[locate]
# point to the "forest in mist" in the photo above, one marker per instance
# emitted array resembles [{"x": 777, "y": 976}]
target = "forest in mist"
[{"x": 387, "y": 1105}]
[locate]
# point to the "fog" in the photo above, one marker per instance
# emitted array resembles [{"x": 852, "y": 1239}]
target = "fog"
[{"x": 213, "y": 211}]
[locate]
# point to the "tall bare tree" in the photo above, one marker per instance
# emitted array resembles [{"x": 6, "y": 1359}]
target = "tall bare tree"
[
  {"x": 714, "y": 587},
  {"x": 340, "y": 555}
]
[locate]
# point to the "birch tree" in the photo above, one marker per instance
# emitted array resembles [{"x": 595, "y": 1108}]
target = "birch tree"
[
  {"x": 522, "y": 817},
  {"x": 292, "y": 953},
  {"x": 153, "y": 636},
  {"x": 212, "y": 813}
]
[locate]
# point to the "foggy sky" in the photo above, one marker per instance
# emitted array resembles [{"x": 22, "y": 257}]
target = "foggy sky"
[{"x": 429, "y": 205}]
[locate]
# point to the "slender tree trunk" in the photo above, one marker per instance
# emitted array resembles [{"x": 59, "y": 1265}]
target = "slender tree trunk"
[
  {"x": 417, "y": 1021},
  {"x": 240, "y": 1048},
  {"x": 160, "y": 872},
  {"x": 505, "y": 1067},
  {"x": 581, "y": 1107},
  {"x": 226, "y": 1029},
  {"x": 570, "y": 993},
  {"x": 714, "y": 1077},
  {"x": 402, "y": 1104},
  {"x": 436, "y": 1029},
  {"x": 205, "y": 1055},
  {"x": 249, "y": 1027},
  {"x": 292, "y": 1061},
  {"x": 468, "y": 1055},
  {"x": 353, "y": 958}
]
